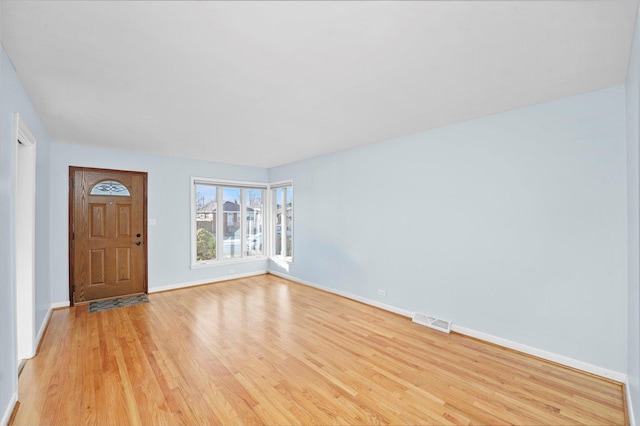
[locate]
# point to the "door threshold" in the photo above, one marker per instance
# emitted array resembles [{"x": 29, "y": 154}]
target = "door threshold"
[{"x": 104, "y": 299}]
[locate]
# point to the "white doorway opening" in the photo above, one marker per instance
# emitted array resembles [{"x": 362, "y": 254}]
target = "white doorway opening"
[{"x": 25, "y": 234}]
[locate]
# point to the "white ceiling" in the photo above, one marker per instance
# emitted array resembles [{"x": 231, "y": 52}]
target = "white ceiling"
[{"x": 268, "y": 83}]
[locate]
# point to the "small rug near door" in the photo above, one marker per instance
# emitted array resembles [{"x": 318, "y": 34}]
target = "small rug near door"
[{"x": 117, "y": 303}]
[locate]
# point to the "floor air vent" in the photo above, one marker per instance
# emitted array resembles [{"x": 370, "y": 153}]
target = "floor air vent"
[{"x": 436, "y": 323}]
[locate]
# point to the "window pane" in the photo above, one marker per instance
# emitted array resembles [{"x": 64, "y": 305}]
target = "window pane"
[
  {"x": 231, "y": 223},
  {"x": 278, "y": 221},
  {"x": 205, "y": 222},
  {"x": 289, "y": 220},
  {"x": 283, "y": 221},
  {"x": 110, "y": 187},
  {"x": 253, "y": 201}
]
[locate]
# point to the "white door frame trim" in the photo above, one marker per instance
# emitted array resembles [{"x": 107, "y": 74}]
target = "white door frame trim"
[{"x": 24, "y": 238}]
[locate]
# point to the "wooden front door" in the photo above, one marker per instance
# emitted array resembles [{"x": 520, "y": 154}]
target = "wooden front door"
[{"x": 107, "y": 234}]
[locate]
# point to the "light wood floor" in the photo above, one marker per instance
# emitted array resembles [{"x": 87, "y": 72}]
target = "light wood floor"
[{"x": 264, "y": 350}]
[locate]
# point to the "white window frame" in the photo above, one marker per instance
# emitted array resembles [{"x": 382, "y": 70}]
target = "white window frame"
[
  {"x": 273, "y": 219},
  {"x": 220, "y": 184}
]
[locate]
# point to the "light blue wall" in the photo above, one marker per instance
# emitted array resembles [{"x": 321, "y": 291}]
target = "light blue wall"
[
  {"x": 513, "y": 225},
  {"x": 168, "y": 202},
  {"x": 633, "y": 190},
  {"x": 14, "y": 99}
]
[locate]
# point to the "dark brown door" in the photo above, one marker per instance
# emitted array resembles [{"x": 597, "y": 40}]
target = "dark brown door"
[{"x": 108, "y": 223}]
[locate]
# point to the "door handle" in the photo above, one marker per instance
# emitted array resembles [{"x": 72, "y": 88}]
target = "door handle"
[{"x": 138, "y": 243}]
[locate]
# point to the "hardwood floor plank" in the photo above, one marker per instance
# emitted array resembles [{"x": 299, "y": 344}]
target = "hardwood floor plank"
[{"x": 266, "y": 351}]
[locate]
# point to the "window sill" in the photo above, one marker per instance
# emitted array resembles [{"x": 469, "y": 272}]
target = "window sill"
[
  {"x": 280, "y": 259},
  {"x": 224, "y": 262}
]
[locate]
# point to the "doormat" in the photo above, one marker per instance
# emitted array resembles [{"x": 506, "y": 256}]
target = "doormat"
[{"x": 117, "y": 303}]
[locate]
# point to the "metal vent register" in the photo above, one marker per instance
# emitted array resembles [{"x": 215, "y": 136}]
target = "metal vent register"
[{"x": 435, "y": 323}]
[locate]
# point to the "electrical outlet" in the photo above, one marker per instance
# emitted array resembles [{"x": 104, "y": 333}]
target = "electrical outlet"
[{"x": 382, "y": 292}]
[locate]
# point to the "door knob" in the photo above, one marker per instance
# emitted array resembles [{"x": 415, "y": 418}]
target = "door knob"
[
  {"x": 138, "y": 243},
  {"x": 138, "y": 235}
]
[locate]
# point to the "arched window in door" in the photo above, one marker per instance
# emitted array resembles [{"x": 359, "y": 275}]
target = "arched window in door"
[{"x": 110, "y": 187}]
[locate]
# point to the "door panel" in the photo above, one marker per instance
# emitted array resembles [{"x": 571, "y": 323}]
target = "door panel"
[
  {"x": 108, "y": 254},
  {"x": 96, "y": 266},
  {"x": 123, "y": 218},
  {"x": 123, "y": 264},
  {"x": 98, "y": 216}
]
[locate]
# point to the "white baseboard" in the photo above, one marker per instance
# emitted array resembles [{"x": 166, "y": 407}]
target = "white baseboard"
[
  {"x": 632, "y": 420},
  {"x": 364, "y": 300},
  {"x": 63, "y": 304},
  {"x": 9, "y": 410},
  {"x": 560, "y": 359},
  {"x": 43, "y": 327},
  {"x": 45, "y": 321},
  {"x": 207, "y": 281},
  {"x": 549, "y": 356}
]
